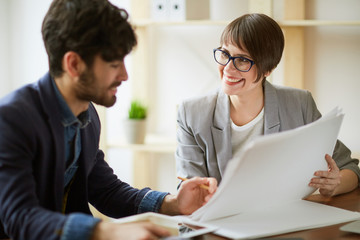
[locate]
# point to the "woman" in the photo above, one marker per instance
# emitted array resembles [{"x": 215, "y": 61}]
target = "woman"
[{"x": 213, "y": 128}]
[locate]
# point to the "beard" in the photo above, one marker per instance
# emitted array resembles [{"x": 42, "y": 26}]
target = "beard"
[{"x": 88, "y": 90}]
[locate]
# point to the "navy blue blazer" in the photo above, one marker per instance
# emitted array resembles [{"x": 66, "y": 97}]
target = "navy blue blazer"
[{"x": 32, "y": 166}]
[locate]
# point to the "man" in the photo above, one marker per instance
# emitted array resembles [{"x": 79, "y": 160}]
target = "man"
[{"x": 50, "y": 162}]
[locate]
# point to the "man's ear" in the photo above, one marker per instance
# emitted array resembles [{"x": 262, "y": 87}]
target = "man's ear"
[{"x": 73, "y": 64}]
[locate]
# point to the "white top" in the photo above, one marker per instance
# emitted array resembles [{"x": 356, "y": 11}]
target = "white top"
[{"x": 241, "y": 135}]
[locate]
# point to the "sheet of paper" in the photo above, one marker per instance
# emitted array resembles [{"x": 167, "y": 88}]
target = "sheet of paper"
[
  {"x": 289, "y": 217},
  {"x": 170, "y": 223},
  {"x": 274, "y": 169},
  {"x": 353, "y": 227}
]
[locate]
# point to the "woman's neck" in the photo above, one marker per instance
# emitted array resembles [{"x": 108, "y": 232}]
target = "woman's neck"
[{"x": 244, "y": 108}]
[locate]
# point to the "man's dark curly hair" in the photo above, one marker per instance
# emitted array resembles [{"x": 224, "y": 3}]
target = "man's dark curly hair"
[{"x": 87, "y": 27}]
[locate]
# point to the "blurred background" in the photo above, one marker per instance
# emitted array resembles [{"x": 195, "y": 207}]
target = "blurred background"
[{"x": 173, "y": 61}]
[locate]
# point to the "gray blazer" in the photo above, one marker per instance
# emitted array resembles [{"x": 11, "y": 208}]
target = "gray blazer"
[{"x": 204, "y": 129}]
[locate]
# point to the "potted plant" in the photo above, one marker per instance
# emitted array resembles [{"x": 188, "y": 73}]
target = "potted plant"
[
  {"x": 135, "y": 125},
  {"x": 137, "y": 110}
]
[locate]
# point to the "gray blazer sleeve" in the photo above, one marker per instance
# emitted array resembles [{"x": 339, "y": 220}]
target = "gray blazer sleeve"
[
  {"x": 189, "y": 154},
  {"x": 203, "y": 134},
  {"x": 342, "y": 157}
]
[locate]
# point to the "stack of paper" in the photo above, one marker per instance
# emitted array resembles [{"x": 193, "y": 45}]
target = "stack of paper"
[{"x": 262, "y": 189}]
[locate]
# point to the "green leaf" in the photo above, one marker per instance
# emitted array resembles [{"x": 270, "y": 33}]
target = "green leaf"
[{"x": 137, "y": 110}]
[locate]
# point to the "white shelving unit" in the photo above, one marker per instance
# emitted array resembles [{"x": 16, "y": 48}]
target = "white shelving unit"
[
  {"x": 286, "y": 23},
  {"x": 293, "y": 25}
]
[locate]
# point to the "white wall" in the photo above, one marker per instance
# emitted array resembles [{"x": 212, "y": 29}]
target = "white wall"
[
  {"x": 4, "y": 48},
  {"x": 25, "y": 57},
  {"x": 333, "y": 62}
]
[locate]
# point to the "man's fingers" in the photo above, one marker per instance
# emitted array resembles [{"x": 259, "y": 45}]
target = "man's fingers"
[
  {"x": 198, "y": 181},
  {"x": 212, "y": 182},
  {"x": 157, "y": 230}
]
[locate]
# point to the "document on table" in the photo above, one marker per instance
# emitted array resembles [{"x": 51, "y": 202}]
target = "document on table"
[
  {"x": 262, "y": 189},
  {"x": 174, "y": 225}
]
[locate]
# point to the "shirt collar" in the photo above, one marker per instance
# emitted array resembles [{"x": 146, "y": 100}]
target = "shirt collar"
[{"x": 68, "y": 118}]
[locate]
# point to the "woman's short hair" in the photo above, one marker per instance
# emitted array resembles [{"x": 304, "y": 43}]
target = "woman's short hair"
[{"x": 260, "y": 36}]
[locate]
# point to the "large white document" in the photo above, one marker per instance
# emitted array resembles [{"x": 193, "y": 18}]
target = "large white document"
[{"x": 262, "y": 189}]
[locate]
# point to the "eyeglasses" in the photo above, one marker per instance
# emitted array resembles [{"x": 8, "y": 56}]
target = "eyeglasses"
[{"x": 241, "y": 63}]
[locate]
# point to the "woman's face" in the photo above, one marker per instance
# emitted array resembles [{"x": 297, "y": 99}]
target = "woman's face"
[{"x": 233, "y": 81}]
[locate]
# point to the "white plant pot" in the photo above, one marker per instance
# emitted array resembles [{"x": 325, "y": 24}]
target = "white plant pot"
[{"x": 135, "y": 130}]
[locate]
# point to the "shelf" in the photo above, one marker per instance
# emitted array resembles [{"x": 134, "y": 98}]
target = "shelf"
[
  {"x": 147, "y": 147},
  {"x": 153, "y": 143},
  {"x": 287, "y": 23},
  {"x": 148, "y": 22},
  {"x": 316, "y": 23}
]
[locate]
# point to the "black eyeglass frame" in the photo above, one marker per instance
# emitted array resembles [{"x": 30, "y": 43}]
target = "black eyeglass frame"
[{"x": 233, "y": 59}]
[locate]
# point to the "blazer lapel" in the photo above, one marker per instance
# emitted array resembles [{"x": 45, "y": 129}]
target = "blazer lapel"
[
  {"x": 272, "y": 121},
  {"x": 221, "y": 131},
  {"x": 90, "y": 141},
  {"x": 59, "y": 142},
  {"x": 52, "y": 110}
]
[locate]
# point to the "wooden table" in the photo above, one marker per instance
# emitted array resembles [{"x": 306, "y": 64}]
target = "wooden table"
[{"x": 349, "y": 201}]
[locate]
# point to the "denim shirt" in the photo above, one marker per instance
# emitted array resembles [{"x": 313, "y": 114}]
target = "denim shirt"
[
  {"x": 78, "y": 225},
  {"x": 72, "y": 125}
]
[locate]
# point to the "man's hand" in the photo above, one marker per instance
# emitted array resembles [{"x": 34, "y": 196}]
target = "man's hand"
[
  {"x": 128, "y": 231},
  {"x": 190, "y": 196}
]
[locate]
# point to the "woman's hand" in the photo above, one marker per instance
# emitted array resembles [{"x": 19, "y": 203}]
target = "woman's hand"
[{"x": 327, "y": 181}]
